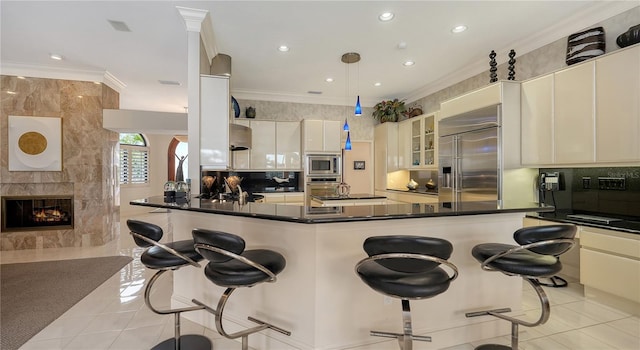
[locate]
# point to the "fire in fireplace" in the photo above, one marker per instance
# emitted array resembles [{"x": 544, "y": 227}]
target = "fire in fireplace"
[{"x": 27, "y": 213}]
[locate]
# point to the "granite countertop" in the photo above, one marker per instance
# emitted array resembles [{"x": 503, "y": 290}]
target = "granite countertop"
[
  {"x": 314, "y": 215},
  {"x": 623, "y": 224},
  {"x": 425, "y": 191},
  {"x": 352, "y": 196}
]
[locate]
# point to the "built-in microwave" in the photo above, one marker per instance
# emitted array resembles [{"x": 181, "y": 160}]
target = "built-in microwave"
[{"x": 322, "y": 164}]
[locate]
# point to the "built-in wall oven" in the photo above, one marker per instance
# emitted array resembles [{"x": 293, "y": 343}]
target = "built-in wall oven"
[{"x": 320, "y": 186}]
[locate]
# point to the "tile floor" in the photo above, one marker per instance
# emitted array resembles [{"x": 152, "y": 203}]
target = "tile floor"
[{"x": 114, "y": 315}]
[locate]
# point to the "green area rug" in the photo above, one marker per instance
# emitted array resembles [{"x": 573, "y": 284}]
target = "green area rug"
[{"x": 32, "y": 295}]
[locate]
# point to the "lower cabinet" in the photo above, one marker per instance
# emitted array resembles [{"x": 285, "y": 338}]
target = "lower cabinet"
[
  {"x": 292, "y": 198},
  {"x": 610, "y": 262}
]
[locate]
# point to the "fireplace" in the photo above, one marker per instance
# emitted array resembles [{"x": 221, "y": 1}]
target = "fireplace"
[{"x": 30, "y": 213}]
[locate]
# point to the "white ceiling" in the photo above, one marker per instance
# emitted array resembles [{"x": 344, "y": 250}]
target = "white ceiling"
[{"x": 318, "y": 32}]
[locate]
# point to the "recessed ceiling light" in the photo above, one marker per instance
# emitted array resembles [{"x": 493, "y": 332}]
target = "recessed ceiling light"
[
  {"x": 79, "y": 96},
  {"x": 377, "y": 84},
  {"x": 11, "y": 92},
  {"x": 283, "y": 48},
  {"x": 56, "y": 57},
  {"x": 97, "y": 82},
  {"x": 21, "y": 77},
  {"x": 329, "y": 80},
  {"x": 459, "y": 29},
  {"x": 386, "y": 16},
  {"x": 408, "y": 63}
]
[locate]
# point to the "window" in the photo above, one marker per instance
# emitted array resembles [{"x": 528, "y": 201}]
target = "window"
[{"x": 134, "y": 159}]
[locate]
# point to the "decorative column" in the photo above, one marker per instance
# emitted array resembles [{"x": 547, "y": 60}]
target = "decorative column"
[{"x": 193, "y": 19}]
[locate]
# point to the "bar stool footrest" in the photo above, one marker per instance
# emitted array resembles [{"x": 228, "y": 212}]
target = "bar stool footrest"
[
  {"x": 270, "y": 326},
  {"x": 399, "y": 335},
  {"x": 487, "y": 312}
]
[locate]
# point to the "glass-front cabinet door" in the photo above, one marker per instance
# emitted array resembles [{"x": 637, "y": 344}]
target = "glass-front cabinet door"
[{"x": 424, "y": 141}]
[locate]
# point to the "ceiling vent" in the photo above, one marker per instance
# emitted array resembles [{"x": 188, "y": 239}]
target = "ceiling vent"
[
  {"x": 119, "y": 26},
  {"x": 169, "y": 82}
]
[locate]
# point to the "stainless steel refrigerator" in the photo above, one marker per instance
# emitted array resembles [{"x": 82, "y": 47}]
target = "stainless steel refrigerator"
[{"x": 469, "y": 156}]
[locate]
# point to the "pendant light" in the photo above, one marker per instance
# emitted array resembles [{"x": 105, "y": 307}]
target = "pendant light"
[
  {"x": 347, "y": 144},
  {"x": 348, "y": 58}
]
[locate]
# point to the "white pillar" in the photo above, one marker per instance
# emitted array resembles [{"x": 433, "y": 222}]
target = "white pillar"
[{"x": 193, "y": 19}]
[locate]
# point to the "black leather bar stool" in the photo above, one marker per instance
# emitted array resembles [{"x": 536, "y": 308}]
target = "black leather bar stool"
[
  {"x": 165, "y": 257},
  {"x": 231, "y": 266},
  {"x": 407, "y": 268},
  {"x": 537, "y": 256}
]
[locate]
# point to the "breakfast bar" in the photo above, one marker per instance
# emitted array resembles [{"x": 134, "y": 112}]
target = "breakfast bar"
[{"x": 318, "y": 296}]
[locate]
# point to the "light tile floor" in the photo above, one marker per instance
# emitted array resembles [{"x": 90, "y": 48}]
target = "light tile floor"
[{"x": 115, "y": 317}]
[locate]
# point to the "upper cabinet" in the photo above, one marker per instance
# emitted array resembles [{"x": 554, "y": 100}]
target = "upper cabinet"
[
  {"x": 618, "y": 106},
  {"x": 586, "y": 114},
  {"x": 263, "y": 144},
  {"x": 274, "y": 145},
  {"x": 288, "y": 146},
  {"x": 214, "y": 121},
  {"x": 321, "y": 136},
  {"x": 574, "y": 114},
  {"x": 424, "y": 141},
  {"x": 385, "y": 147},
  {"x": 537, "y": 121}
]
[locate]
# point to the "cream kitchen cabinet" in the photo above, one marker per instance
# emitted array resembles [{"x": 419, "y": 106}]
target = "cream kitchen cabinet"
[
  {"x": 586, "y": 114},
  {"x": 288, "y": 146},
  {"x": 610, "y": 263},
  {"x": 274, "y": 145},
  {"x": 263, "y": 144},
  {"x": 537, "y": 121},
  {"x": 574, "y": 114},
  {"x": 385, "y": 147},
  {"x": 215, "y": 102},
  {"x": 404, "y": 144},
  {"x": 618, "y": 106},
  {"x": 241, "y": 159},
  {"x": 321, "y": 136}
]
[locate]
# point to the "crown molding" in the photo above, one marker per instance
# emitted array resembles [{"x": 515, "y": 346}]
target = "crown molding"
[
  {"x": 580, "y": 21},
  {"x": 297, "y": 98},
  {"x": 192, "y": 17},
  {"x": 208, "y": 38},
  {"x": 49, "y": 72}
]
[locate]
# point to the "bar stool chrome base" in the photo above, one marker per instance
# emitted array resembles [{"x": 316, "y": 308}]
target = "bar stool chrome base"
[
  {"x": 188, "y": 341},
  {"x": 404, "y": 339},
  {"x": 493, "y": 347}
]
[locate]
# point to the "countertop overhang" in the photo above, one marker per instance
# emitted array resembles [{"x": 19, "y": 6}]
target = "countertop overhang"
[{"x": 315, "y": 215}]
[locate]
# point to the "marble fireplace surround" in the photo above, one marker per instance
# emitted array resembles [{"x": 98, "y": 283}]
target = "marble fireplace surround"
[{"x": 89, "y": 163}]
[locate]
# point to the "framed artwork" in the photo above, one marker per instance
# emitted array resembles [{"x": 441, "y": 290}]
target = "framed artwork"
[
  {"x": 35, "y": 143},
  {"x": 358, "y": 164}
]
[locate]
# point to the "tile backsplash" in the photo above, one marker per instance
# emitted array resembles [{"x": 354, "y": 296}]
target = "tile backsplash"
[{"x": 612, "y": 191}]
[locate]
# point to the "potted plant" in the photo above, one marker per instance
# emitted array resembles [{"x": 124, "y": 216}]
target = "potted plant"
[{"x": 388, "y": 111}]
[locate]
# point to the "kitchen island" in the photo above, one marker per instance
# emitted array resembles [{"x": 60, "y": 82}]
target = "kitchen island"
[{"x": 318, "y": 296}]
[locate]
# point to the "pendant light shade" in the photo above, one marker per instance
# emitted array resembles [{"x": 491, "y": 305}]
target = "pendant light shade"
[
  {"x": 347, "y": 145},
  {"x": 358, "y": 111},
  {"x": 345, "y": 127}
]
